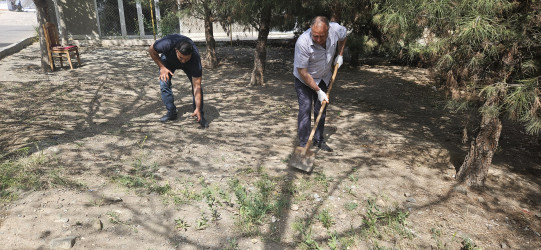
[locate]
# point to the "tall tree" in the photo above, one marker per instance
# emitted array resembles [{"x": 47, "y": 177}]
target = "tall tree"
[
  {"x": 210, "y": 11},
  {"x": 487, "y": 54},
  {"x": 42, "y": 15},
  {"x": 262, "y": 15}
]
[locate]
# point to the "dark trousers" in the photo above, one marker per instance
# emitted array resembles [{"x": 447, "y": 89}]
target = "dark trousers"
[
  {"x": 169, "y": 99},
  {"x": 308, "y": 98}
]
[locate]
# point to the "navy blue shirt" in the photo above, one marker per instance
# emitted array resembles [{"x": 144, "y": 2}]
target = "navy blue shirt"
[{"x": 166, "y": 47}]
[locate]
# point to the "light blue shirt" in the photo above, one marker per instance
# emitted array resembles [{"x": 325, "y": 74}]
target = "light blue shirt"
[{"x": 313, "y": 57}]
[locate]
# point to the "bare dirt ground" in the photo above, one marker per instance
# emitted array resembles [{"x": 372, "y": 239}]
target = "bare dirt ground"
[{"x": 123, "y": 180}]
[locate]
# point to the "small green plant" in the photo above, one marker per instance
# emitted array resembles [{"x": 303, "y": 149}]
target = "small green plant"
[
  {"x": 305, "y": 232},
  {"x": 143, "y": 176},
  {"x": 333, "y": 241},
  {"x": 142, "y": 143},
  {"x": 325, "y": 218},
  {"x": 323, "y": 180},
  {"x": 181, "y": 224},
  {"x": 350, "y": 206},
  {"x": 388, "y": 221},
  {"x": 468, "y": 244},
  {"x": 256, "y": 204},
  {"x": 436, "y": 235},
  {"x": 114, "y": 217},
  {"x": 202, "y": 222},
  {"x": 232, "y": 244}
]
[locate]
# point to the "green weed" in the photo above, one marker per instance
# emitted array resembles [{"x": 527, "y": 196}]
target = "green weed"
[
  {"x": 350, "y": 206},
  {"x": 232, "y": 244},
  {"x": 202, "y": 222},
  {"x": 384, "y": 221},
  {"x": 468, "y": 244},
  {"x": 22, "y": 171},
  {"x": 114, "y": 217},
  {"x": 323, "y": 180},
  {"x": 254, "y": 205},
  {"x": 305, "y": 232},
  {"x": 181, "y": 224},
  {"x": 325, "y": 218}
]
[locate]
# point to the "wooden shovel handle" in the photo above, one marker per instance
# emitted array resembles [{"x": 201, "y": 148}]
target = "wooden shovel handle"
[{"x": 323, "y": 104}]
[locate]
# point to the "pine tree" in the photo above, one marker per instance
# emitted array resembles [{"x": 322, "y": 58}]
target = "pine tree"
[{"x": 486, "y": 52}]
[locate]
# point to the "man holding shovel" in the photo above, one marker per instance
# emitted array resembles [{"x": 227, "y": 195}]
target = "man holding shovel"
[
  {"x": 174, "y": 52},
  {"x": 314, "y": 53}
]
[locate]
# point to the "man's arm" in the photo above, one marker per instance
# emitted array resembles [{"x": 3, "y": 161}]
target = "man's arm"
[
  {"x": 309, "y": 80},
  {"x": 197, "y": 95},
  {"x": 341, "y": 46},
  {"x": 164, "y": 71}
]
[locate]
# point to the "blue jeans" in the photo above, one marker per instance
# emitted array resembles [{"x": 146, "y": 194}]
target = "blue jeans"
[
  {"x": 169, "y": 99},
  {"x": 307, "y": 98}
]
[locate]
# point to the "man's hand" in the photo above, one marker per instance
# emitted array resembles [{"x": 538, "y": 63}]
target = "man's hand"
[
  {"x": 197, "y": 115},
  {"x": 339, "y": 60},
  {"x": 164, "y": 74},
  {"x": 322, "y": 96}
]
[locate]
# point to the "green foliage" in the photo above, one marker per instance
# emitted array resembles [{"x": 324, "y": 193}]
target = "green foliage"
[
  {"x": 304, "y": 230},
  {"x": 254, "y": 205},
  {"x": 181, "y": 224},
  {"x": 114, "y": 217},
  {"x": 480, "y": 48},
  {"x": 142, "y": 176},
  {"x": 350, "y": 206},
  {"x": 468, "y": 244},
  {"x": 384, "y": 221},
  {"x": 21, "y": 171},
  {"x": 325, "y": 218}
]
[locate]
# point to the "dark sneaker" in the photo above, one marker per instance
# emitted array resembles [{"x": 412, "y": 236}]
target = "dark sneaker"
[
  {"x": 203, "y": 124},
  {"x": 323, "y": 146},
  {"x": 168, "y": 118}
]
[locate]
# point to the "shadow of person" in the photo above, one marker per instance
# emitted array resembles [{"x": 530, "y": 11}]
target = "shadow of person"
[{"x": 211, "y": 112}]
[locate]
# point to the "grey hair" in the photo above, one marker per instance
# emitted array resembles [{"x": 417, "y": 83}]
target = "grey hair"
[{"x": 318, "y": 19}]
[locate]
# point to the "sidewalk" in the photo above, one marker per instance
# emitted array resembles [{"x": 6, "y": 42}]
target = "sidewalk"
[{"x": 17, "y": 29}]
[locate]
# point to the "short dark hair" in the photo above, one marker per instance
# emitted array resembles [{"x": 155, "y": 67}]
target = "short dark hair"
[
  {"x": 317, "y": 19},
  {"x": 184, "y": 48}
]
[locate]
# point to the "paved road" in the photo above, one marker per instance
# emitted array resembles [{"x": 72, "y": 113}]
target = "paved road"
[{"x": 16, "y": 26}]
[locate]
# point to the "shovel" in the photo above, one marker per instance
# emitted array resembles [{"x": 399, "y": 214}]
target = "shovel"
[{"x": 302, "y": 158}]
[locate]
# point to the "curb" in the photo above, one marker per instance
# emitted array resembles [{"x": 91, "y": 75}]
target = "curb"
[{"x": 15, "y": 47}]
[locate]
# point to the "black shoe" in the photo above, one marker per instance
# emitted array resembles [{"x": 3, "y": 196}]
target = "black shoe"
[
  {"x": 323, "y": 146},
  {"x": 168, "y": 118},
  {"x": 203, "y": 124}
]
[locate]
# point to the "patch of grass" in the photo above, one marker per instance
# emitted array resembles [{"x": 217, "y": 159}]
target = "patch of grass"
[
  {"x": 232, "y": 244},
  {"x": 254, "y": 203},
  {"x": 323, "y": 181},
  {"x": 381, "y": 222},
  {"x": 143, "y": 176},
  {"x": 305, "y": 232},
  {"x": 436, "y": 235},
  {"x": 22, "y": 171},
  {"x": 325, "y": 218}
]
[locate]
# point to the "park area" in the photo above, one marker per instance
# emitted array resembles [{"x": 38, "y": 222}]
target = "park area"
[{"x": 90, "y": 166}]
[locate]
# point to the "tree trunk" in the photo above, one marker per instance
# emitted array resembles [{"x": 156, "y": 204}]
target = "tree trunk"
[
  {"x": 209, "y": 37},
  {"x": 260, "y": 55},
  {"x": 474, "y": 169},
  {"x": 42, "y": 15}
]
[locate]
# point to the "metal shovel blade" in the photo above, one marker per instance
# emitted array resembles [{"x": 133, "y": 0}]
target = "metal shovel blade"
[{"x": 302, "y": 161}]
